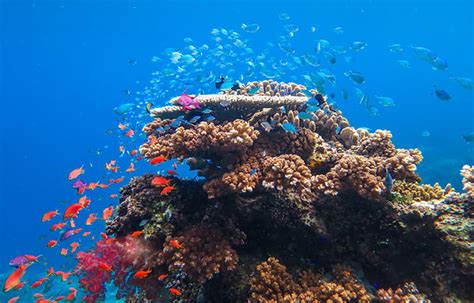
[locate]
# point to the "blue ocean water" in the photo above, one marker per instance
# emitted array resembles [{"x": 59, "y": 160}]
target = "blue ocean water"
[{"x": 64, "y": 66}]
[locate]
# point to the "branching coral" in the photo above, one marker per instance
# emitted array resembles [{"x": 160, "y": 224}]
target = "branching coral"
[{"x": 467, "y": 173}]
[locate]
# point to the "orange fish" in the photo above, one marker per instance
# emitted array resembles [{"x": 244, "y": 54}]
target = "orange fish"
[
  {"x": 136, "y": 234},
  {"x": 50, "y": 271},
  {"x": 176, "y": 244},
  {"x": 59, "y": 298},
  {"x": 175, "y": 291},
  {"x": 171, "y": 172},
  {"x": 113, "y": 196},
  {"x": 175, "y": 166},
  {"x": 141, "y": 274},
  {"x": 84, "y": 201},
  {"x": 104, "y": 235},
  {"x": 72, "y": 211},
  {"x": 167, "y": 190},
  {"x": 157, "y": 160},
  {"x": 119, "y": 180},
  {"x": 64, "y": 275},
  {"x": 103, "y": 186},
  {"x": 42, "y": 300},
  {"x": 159, "y": 181},
  {"x": 38, "y": 283},
  {"x": 74, "y": 246},
  {"x": 110, "y": 166},
  {"x": 38, "y": 295},
  {"x": 76, "y": 173},
  {"x": 107, "y": 213},
  {"x": 134, "y": 152},
  {"x": 105, "y": 266},
  {"x": 122, "y": 126},
  {"x": 93, "y": 186},
  {"x": 14, "y": 278},
  {"x": 131, "y": 168},
  {"x": 64, "y": 251},
  {"x": 91, "y": 219},
  {"x": 162, "y": 277},
  {"x": 129, "y": 133},
  {"x": 14, "y": 299},
  {"x": 49, "y": 215},
  {"x": 152, "y": 139},
  {"x": 52, "y": 243},
  {"x": 57, "y": 226},
  {"x": 72, "y": 295},
  {"x": 86, "y": 233},
  {"x": 20, "y": 285}
]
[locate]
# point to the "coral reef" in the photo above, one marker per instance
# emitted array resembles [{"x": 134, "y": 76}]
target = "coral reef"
[{"x": 283, "y": 176}]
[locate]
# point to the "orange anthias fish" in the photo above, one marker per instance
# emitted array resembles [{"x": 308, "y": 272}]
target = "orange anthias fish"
[
  {"x": 14, "y": 299},
  {"x": 64, "y": 275},
  {"x": 76, "y": 173},
  {"x": 74, "y": 246},
  {"x": 159, "y": 181},
  {"x": 157, "y": 160},
  {"x": 20, "y": 285},
  {"x": 50, "y": 271},
  {"x": 91, "y": 219},
  {"x": 162, "y": 277},
  {"x": 72, "y": 295},
  {"x": 142, "y": 274},
  {"x": 49, "y": 215},
  {"x": 105, "y": 266},
  {"x": 131, "y": 168},
  {"x": 85, "y": 234},
  {"x": 167, "y": 190},
  {"x": 175, "y": 166},
  {"x": 38, "y": 283},
  {"x": 107, "y": 213},
  {"x": 93, "y": 186},
  {"x": 64, "y": 251},
  {"x": 118, "y": 180},
  {"x": 72, "y": 211},
  {"x": 136, "y": 234},
  {"x": 171, "y": 172},
  {"x": 113, "y": 196},
  {"x": 14, "y": 278},
  {"x": 176, "y": 244},
  {"x": 57, "y": 226},
  {"x": 129, "y": 133},
  {"x": 122, "y": 126},
  {"x": 134, "y": 152},
  {"x": 52, "y": 243},
  {"x": 84, "y": 201},
  {"x": 175, "y": 291},
  {"x": 152, "y": 139}
]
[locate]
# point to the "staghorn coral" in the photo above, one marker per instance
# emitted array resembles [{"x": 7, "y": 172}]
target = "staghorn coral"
[{"x": 467, "y": 173}]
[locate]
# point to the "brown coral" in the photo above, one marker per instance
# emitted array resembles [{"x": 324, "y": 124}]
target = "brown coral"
[{"x": 420, "y": 192}]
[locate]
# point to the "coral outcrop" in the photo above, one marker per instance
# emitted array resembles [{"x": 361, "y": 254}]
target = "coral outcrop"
[{"x": 283, "y": 176}]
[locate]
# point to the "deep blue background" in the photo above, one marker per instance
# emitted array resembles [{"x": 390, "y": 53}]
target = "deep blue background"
[{"x": 64, "y": 65}]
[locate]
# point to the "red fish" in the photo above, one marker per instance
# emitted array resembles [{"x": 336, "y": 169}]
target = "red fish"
[
  {"x": 50, "y": 271},
  {"x": 152, "y": 139},
  {"x": 64, "y": 275},
  {"x": 14, "y": 299},
  {"x": 122, "y": 126},
  {"x": 20, "y": 285},
  {"x": 136, "y": 234},
  {"x": 157, "y": 160},
  {"x": 118, "y": 180},
  {"x": 162, "y": 277},
  {"x": 85, "y": 234},
  {"x": 91, "y": 219},
  {"x": 107, "y": 213},
  {"x": 129, "y": 133},
  {"x": 113, "y": 196},
  {"x": 72, "y": 295},
  {"x": 74, "y": 246},
  {"x": 84, "y": 201},
  {"x": 105, "y": 266},
  {"x": 175, "y": 166},
  {"x": 176, "y": 244},
  {"x": 52, "y": 243},
  {"x": 76, "y": 173},
  {"x": 49, "y": 215},
  {"x": 14, "y": 278},
  {"x": 171, "y": 172},
  {"x": 167, "y": 190},
  {"x": 175, "y": 291},
  {"x": 64, "y": 251},
  {"x": 134, "y": 152},
  {"x": 59, "y": 298},
  {"x": 38, "y": 283},
  {"x": 72, "y": 211},
  {"x": 159, "y": 181},
  {"x": 142, "y": 274},
  {"x": 57, "y": 226}
]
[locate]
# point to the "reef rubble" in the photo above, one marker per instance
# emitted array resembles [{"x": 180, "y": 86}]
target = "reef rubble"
[{"x": 325, "y": 213}]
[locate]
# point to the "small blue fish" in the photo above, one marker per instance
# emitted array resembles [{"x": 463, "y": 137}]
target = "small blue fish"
[
  {"x": 304, "y": 116},
  {"x": 289, "y": 128},
  {"x": 355, "y": 76},
  {"x": 253, "y": 90},
  {"x": 253, "y": 171},
  {"x": 311, "y": 109},
  {"x": 207, "y": 111},
  {"x": 124, "y": 108},
  {"x": 194, "y": 119},
  {"x": 442, "y": 94},
  {"x": 210, "y": 118},
  {"x": 388, "y": 180}
]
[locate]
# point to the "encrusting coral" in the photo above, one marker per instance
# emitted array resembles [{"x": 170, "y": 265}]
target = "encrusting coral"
[{"x": 283, "y": 174}]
